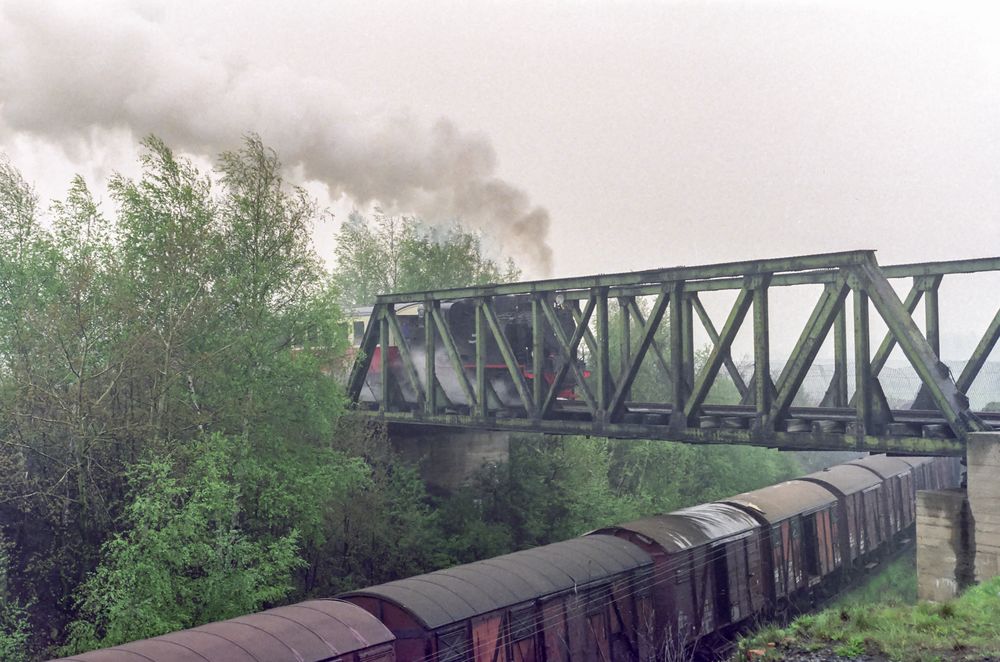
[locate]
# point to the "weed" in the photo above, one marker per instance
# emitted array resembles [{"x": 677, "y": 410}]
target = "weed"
[
  {"x": 968, "y": 627},
  {"x": 853, "y": 647}
]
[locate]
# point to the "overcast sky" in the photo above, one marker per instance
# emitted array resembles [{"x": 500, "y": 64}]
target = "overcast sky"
[{"x": 622, "y": 135}]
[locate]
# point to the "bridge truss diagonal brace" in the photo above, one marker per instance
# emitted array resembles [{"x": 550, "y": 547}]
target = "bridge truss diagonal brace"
[
  {"x": 662, "y": 363},
  {"x": 648, "y": 329},
  {"x": 934, "y": 374},
  {"x": 363, "y": 361},
  {"x": 404, "y": 354},
  {"x": 451, "y": 349},
  {"x": 486, "y": 309},
  {"x": 713, "y": 335},
  {"x": 979, "y": 356},
  {"x": 809, "y": 343},
  {"x": 568, "y": 348},
  {"x": 720, "y": 353}
]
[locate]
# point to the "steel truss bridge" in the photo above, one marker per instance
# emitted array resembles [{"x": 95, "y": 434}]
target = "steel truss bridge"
[{"x": 589, "y": 338}]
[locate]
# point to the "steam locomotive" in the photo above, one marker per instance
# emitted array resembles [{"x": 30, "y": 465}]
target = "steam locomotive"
[
  {"x": 514, "y": 315},
  {"x": 643, "y": 590}
]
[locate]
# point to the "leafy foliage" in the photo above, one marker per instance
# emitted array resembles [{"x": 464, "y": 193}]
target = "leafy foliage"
[
  {"x": 558, "y": 487},
  {"x": 402, "y": 254},
  {"x": 15, "y": 627},
  {"x": 185, "y": 558},
  {"x": 199, "y": 309}
]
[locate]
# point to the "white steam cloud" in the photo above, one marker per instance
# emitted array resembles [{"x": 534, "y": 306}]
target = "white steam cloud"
[{"x": 65, "y": 75}]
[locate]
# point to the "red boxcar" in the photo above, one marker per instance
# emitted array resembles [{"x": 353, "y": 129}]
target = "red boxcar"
[
  {"x": 582, "y": 599},
  {"x": 327, "y": 630},
  {"x": 862, "y": 501},
  {"x": 801, "y": 534},
  {"x": 708, "y": 568},
  {"x": 898, "y": 477}
]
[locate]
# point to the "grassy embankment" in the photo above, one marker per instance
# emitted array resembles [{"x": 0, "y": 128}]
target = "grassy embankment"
[{"x": 882, "y": 619}]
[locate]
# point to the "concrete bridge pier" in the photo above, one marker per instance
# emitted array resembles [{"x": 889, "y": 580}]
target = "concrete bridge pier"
[
  {"x": 983, "y": 456},
  {"x": 958, "y": 531},
  {"x": 449, "y": 457}
]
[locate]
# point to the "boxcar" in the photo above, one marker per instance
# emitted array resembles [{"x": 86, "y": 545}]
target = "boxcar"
[
  {"x": 946, "y": 473},
  {"x": 801, "y": 534},
  {"x": 898, "y": 483},
  {"x": 581, "y": 599},
  {"x": 922, "y": 471},
  {"x": 708, "y": 567},
  {"x": 329, "y": 630},
  {"x": 861, "y": 501},
  {"x": 934, "y": 473}
]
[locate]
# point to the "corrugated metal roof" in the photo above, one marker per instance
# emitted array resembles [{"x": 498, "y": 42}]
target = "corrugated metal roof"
[
  {"x": 778, "y": 502},
  {"x": 846, "y": 478},
  {"x": 884, "y": 466},
  {"x": 690, "y": 527},
  {"x": 447, "y": 596},
  {"x": 312, "y": 630}
]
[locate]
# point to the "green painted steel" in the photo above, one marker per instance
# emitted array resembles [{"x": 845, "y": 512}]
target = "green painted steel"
[{"x": 543, "y": 356}]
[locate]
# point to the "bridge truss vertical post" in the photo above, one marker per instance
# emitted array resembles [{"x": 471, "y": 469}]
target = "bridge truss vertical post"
[
  {"x": 603, "y": 360},
  {"x": 383, "y": 341},
  {"x": 687, "y": 319},
  {"x": 625, "y": 319},
  {"x": 677, "y": 368},
  {"x": 430, "y": 371},
  {"x": 862, "y": 365},
  {"x": 761, "y": 350},
  {"x": 538, "y": 354},
  {"x": 836, "y": 394},
  {"x": 932, "y": 321},
  {"x": 482, "y": 402}
]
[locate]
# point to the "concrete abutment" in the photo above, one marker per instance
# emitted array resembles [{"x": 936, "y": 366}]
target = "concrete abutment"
[{"x": 958, "y": 531}]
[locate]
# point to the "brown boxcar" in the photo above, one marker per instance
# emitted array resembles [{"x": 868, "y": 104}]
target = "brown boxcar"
[
  {"x": 581, "y": 599},
  {"x": 946, "y": 473},
  {"x": 708, "y": 568},
  {"x": 861, "y": 495},
  {"x": 922, "y": 471},
  {"x": 800, "y": 534},
  {"x": 329, "y": 630},
  {"x": 898, "y": 477},
  {"x": 935, "y": 473}
]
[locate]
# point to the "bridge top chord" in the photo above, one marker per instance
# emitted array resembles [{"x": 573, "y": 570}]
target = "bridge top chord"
[{"x": 614, "y": 355}]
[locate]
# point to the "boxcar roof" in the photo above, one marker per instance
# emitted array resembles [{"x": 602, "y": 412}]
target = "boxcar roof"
[
  {"x": 455, "y": 594},
  {"x": 915, "y": 461},
  {"x": 778, "y": 502},
  {"x": 846, "y": 478},
  {"x": 883, "y": 465},
  {"x": 691, "y": 527},
  {"x": 311, "y": 630}
]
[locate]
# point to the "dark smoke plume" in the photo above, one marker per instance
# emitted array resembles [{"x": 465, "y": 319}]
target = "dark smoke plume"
[{"x": 67, "y": 74}]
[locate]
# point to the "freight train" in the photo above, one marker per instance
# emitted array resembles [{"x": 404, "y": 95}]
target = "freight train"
[
  {"x": 514, "y": 316},
  {"x": 643, "y": 590}
]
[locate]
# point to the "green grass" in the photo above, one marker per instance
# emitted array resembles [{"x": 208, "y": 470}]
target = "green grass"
[
  {"x": 895, "y": 584},
  {"x": 965, "y": 628}
]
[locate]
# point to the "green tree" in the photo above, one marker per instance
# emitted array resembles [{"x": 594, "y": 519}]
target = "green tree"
[
  {"x": 279, "y": 327},
  {"x": 199, "y": 309},
  {"x": 15, "y": 627},
  {"x": 387, "y": 253},
  {"x": 553, "y": 488},
  {"x": 184, "y": 558}
]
